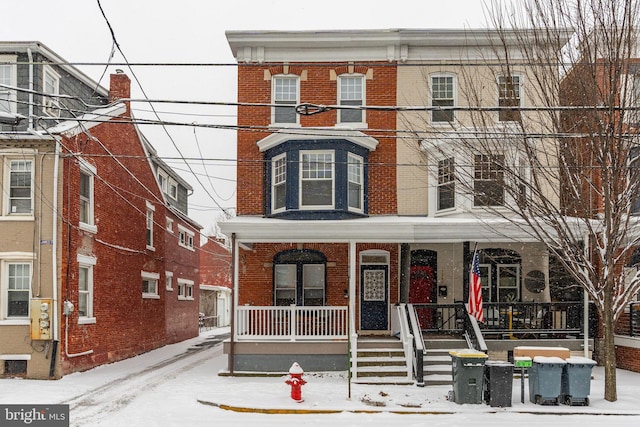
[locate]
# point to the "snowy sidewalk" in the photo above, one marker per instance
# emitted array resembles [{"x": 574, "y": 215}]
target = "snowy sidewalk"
[{"x": 330, "y": 392}]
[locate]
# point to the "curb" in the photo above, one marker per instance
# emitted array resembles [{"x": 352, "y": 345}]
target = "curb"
[{"x": 389, "y": 411}]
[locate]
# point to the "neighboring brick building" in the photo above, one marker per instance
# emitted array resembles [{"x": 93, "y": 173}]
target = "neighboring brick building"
[
  {"x": 215, "y": 283},
  {"x": 611, "y": 82},
  {"x": 98, "y": 258}
]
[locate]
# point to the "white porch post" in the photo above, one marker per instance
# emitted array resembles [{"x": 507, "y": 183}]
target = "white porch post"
[
  {"x": 234, "y": 307},
  {"x": 353, "y": 334},
  {"x": 352, "y": 280}
]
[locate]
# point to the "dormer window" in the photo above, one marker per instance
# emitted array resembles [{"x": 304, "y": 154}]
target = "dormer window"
[
  {"x": 51, "y": 85},
  {"x": 8, "y": 77}
]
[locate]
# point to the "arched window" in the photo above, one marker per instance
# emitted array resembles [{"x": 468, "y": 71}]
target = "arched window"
[{"x": 299, "y": 278}]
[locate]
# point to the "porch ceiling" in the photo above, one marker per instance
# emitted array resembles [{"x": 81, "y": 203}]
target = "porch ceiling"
[{"x": 388, "y": 229}]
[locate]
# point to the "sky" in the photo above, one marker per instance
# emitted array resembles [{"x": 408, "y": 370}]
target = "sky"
[
  {"x": 193, "y": 32},
  {"x": 148, "y": 391}
]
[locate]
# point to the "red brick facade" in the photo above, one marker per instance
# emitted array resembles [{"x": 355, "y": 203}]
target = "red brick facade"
[
  {"x": 318, "y": 85},
  {"x": 318, "y": 88},
  {"x": 126, "y": 324}
]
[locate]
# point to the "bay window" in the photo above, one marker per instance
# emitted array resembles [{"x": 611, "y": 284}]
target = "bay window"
[
  {"x": 355, "y": 193},
  {"x": 488, "y": 184},
  {"x": 316, "y": 186}
]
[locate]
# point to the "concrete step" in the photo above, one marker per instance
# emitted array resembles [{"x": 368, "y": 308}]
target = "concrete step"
[{"x": 379, "y": 352}]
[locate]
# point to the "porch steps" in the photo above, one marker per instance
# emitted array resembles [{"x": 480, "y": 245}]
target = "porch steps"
[
  {"x": 381, "y": 361},
  {"x": 437, "y": 361}
]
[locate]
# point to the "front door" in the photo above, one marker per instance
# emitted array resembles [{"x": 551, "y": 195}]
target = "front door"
[
  {"x": 374, "y": 297},
  {"x": 421, "y": 291}
]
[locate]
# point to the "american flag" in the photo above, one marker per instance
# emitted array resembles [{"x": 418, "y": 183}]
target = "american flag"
[{"x": 475, "y": 290}]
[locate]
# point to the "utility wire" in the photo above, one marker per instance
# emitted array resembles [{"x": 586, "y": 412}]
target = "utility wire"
[{"x": 113, "y": 36}]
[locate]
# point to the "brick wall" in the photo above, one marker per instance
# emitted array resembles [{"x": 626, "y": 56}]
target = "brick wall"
[
  {"x": 628, "y": 358},
  {"x": 126, "y": 323},
  {"x": 317, "y": 88}
]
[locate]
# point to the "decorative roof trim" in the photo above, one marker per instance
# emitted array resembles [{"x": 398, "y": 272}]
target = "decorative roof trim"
[{"x": 285, "y": 135}]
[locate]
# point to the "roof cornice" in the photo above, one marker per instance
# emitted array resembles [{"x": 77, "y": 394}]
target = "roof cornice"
[
  {"x": 371, "y": 45},
  {"x": 297, "y": 134}
]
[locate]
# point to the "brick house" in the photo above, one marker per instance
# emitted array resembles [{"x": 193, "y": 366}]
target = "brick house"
[
  {"x": 91, "y": 242},
  {"x": 341, "y": 218},
  {"x": 215, "y": 283},
  {"x": 608, "y": 82}
]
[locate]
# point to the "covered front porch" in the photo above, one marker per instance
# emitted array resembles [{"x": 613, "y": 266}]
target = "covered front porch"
[{"x": 275, "y": 324}]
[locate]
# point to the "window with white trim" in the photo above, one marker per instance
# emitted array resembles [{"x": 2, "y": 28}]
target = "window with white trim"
[
  {"x": 8, "y": 77},
  {"x": 162, "y": 181},
  {"x": 150, "y": 284},
  {"x": 509, "y": 95},
  {"x": 442, "y": 95},
  {"x": 87, "y": 179},
  {"x": 446, "y": 184},
  {"x": 351, "y": 90},
  {"x": 285, "y": 96},
  {"x": 170, "y": 225},
  {"x": 316, "y": 179},
  {"x": 149, "y": 226},
  {"x": 172, "y": 188},
  {"x": 85, "y": 287},
  {"x": 355, "y": 194},
  {"x": 185, "y": 289},
  {"x": 488, "y": 184},
  {"x": 299, "y": 278},
  {"x": 279, "y": 182},
  {"x": 51, "y": 86},
  {"x": 17, "y": 285},
  {"x": 185, "y": 237},
  {"x": 19, "y": 190}
]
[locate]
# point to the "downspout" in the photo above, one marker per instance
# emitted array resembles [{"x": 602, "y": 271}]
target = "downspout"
[
  {"x": 234, "y": 301},
  {"x": 30, "y": 56},
  {"x": 54, "y": 249},
  {"x": 54, "y": 234}
]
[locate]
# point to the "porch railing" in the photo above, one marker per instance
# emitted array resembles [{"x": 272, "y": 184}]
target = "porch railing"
[
  {"x": 629, "y": 322},
  {"x": 536, "y": 319},
  {"x": 291, "y": 323}
]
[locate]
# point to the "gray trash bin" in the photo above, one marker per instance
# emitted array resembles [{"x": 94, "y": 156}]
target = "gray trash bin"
[
  {"x": 467, "y": 370},
  {"x": 498, "y": 383},
  {"x": 576, "y": 380},
  {"x": 545, "y": 380}
]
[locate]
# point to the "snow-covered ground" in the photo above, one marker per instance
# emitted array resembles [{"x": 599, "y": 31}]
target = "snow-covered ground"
[{"x": 174, "y": 387}]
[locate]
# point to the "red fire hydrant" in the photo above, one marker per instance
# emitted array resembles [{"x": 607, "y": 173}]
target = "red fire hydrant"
[{"x": 296, "y": 382}]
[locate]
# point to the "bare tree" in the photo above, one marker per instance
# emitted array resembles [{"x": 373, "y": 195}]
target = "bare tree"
[{"x": 558, "y": 155}]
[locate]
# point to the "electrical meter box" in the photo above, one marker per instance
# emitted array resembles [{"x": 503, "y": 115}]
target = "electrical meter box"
[{"x": 41, "y": 316}]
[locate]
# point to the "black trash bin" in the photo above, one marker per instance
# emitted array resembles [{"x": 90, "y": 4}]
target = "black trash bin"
[
  {"x": 467, "y": 370},
  {"x": 576, "y": 381},
  {"x": 498, "y": 383}
]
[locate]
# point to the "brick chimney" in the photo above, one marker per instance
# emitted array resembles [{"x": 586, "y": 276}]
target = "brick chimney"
[{"x": 120, "y": 87}]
